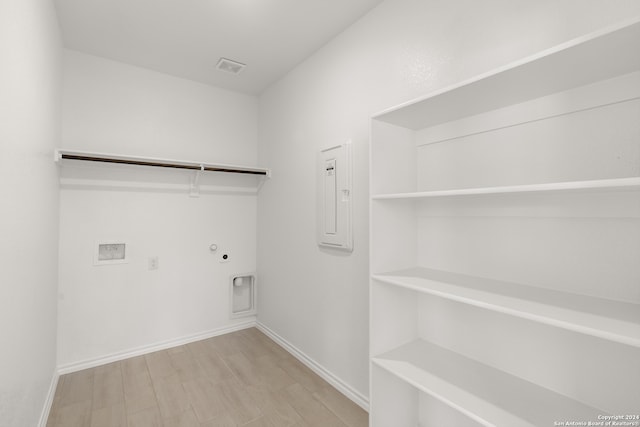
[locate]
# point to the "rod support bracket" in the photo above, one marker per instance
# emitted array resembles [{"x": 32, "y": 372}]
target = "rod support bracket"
[{"x": 194, "y": 182}]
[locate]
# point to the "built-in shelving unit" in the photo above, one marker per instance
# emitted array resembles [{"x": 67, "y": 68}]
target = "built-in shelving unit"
[
  {"x": 194, "y": 169},
  {"x": 510, "y": 310},
  {"x": 609, "y": 319}
]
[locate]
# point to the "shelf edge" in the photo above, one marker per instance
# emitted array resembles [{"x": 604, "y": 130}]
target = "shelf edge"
[
  {"x": 630, "y": 183},
  {"x": 633, "y": 341}
]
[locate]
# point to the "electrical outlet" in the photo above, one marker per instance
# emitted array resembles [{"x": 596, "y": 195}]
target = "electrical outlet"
[{"x": 153, "y": 263}]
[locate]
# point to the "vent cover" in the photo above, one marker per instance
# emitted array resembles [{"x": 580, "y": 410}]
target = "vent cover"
[{"x": 230, "y": 66}]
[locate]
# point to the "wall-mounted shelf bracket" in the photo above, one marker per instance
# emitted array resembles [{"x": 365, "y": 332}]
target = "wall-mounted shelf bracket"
[{"x": 194, "y": 182}]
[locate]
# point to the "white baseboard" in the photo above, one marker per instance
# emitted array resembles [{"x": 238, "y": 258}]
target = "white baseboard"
[
  {"x": 103, "y": 360},
  {"x": 324, "y": 373},
  {"x": 46, "y": 410}
]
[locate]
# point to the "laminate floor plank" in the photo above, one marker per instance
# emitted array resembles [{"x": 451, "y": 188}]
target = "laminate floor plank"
[
  {"x": 312, "y": 411},
  {"x": 159, "y": 364},
  {"x": 204, "y": 400},
  {"x": 134, "y": 366},
  {"x": 214, "y": 367},
  {"x": 274, "y": 407},
  {"x": 185, "y": 419},
  {"x": 223, "y": 420},
  {"x": 74, "y": 415},
  {"x": 186, "y": 365},
  {"x": 241, "y": 379},
  {"x": 171, "y": 396},
  {"x": 149, "y": 417},
  {"x": 242, "y": 368},
  {"x": 109, "y": 416},
  {"x": 139, "y": 393},
  {"x": 108, "y": 389},
  {"x": 78, "y": 387},
  {"x": 225, "y": 345},
  {"x": 263, "y": 422},
  {"x": 237, "y": 403},
  {"x": 350, "y": 413},
  {"x": 302, "y": 375}
]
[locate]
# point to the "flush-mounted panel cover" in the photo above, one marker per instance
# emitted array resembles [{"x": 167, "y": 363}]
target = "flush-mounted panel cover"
[
  {"x": 110, "y": 252},
  {"x": 334, "y": 197}
]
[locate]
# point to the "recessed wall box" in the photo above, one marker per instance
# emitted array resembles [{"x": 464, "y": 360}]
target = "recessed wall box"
[
  {"x": 110, "y": 252},
  {"x": 242, "y": 293},
  {"x": 334, "y": 197}
]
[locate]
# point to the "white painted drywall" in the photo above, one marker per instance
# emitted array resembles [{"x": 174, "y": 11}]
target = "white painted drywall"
[
  {"x": 318, "y": 299},
  {"x": 113, "y": 107},
  {"x": 30, "y": 51},
  {"x": 109, "y": 106}
]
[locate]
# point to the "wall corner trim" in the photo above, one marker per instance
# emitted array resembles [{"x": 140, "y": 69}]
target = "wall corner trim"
[
  {"x": 48, "y": 403},
  {"x": 344, "y": 388}
]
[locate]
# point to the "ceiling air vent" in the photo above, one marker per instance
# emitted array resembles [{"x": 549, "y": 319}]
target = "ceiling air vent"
[{"x": 230, "y": 66}]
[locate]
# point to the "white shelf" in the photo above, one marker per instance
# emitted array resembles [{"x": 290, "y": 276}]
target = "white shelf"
[
  {"x": 87, "y": 170},
  {"x": 63, "y": 155},
  {"x": 611, "y": 320},
  {"x": 487, "y": 395},
  {"x": 600, "y": 185},
  {"x": 602, "y": 55}
]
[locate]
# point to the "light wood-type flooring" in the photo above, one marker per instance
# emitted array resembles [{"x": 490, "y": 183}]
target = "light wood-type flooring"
[{"x": 238, "y": 379}]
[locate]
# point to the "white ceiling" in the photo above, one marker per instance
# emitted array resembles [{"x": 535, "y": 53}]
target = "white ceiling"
[{"x": 186, "y": 38}]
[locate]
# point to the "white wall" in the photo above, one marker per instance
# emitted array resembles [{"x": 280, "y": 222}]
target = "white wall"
[
  {"x": 112, "y": 107},
  {"x": 317, "y": 299},
  {"x": 29, "y": 130}
]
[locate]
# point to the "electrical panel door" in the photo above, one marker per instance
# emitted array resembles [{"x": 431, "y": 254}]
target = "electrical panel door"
[{"x": 334, "y": 197}]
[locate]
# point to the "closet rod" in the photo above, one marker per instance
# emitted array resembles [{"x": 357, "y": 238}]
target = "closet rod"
[{"x": 159, "y": 163}]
